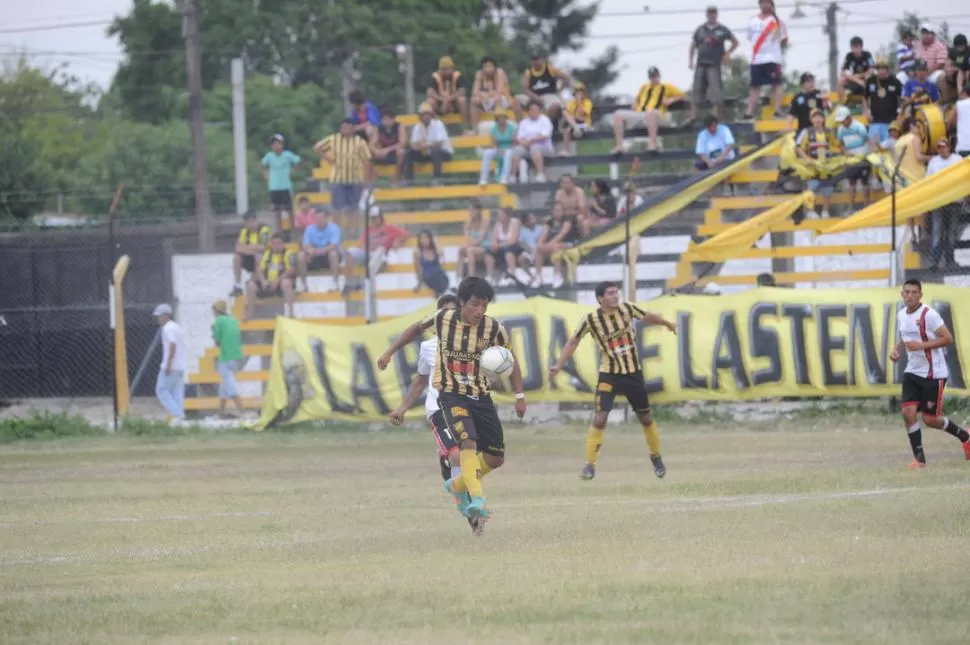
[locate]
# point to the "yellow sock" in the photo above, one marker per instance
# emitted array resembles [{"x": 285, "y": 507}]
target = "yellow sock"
[
  {"x": 594, "y": 439},
  {"x": 471, "y": 477},
  {"x": 482, "y": 465},
  {"x": 652, "y": 434}
]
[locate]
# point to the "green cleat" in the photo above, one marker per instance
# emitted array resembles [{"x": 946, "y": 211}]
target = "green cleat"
[
  {"x": 476, "y": 510},
  {"x": 589, "y": 471},
  {"x": 461, "y": 499}
]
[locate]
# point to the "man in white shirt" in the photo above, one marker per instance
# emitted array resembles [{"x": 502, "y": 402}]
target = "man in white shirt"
[
  {"x": 959, "y": 120},
  {"x": 923, "y": 335},
  {"x": 534, "y": 138},
  {"x": 429, "y": 142},
  {"x": 170, "y": 386},
  {"x": 768, "y": 35}
]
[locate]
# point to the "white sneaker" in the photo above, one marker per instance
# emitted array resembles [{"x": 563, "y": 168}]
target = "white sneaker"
[
  {"x": 482, "y": 182},
  {"x": 558, "y": 283},
  {"x": 540, "y": 178},
  {"x": 504, "y": 181},
  {"x": 824, "y": 215}
]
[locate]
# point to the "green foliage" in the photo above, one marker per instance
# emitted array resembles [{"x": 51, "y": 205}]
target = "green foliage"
[{"x": 47, "y": 425}]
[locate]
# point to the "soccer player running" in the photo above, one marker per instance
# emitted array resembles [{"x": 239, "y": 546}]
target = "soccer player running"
[
  {"x": 463, "y": 389},
  {"x": 923, "y": 335},
  {"x": 611, "y": 325},
  {"x": 447, "y": 446}
]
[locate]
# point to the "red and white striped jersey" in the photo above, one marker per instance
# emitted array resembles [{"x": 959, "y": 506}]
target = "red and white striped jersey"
[{"x": 921, "y": 325}]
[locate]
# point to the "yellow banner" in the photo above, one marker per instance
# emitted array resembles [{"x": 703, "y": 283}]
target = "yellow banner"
[{"x": 756, "y": 344}]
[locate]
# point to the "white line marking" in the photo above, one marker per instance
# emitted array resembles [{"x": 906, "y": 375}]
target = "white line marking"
[{"x": 137, "y": 520}]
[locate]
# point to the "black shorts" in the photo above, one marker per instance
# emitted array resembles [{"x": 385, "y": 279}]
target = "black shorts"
[
  {"x": 925, "y": 393},
  {"x": 855, "y": 89},
  {"x": 269, "y": 293},
  {"x": 442, "y": 435},
  {"x": 475, "y": 419},
  {"x": 629, "y": 385},
  {"x": 281, "y": 200},
  {"x": 389, "y": 160},
  {"x": 765, "y": 74},
  {"x": 247, "y": 262},
  {"x": 860, "y": 172},
  {"x": 319, "y": 263}
]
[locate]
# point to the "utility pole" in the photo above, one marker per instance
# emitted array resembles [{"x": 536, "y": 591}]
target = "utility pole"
[
  {"x": 831, "y": 30},
  {"x": 239, "y": 134},
  {"x": 406, "y": 54},
  {"x": 193, "y": 68},
  {"x": 348, "y": 79}
]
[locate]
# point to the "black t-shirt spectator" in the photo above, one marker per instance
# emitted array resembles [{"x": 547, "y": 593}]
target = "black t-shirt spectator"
[
  {"x": 884, "y": 96},
  {"x": 710, "y": 43},
  {"x": 802, "y": 105},
  {"x": 961, "y": 60},
  {"x": 858, "y": 64}
]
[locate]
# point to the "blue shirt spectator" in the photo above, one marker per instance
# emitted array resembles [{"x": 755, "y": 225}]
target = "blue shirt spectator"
[
  {"x": 715, "y": 144},
  {"x": 320, "y": 237},
  {"x": 279, "y": 164},
  {"x": 854, "y": 138},
  {"x": 912, "y": 85},
  {"x": 362, "y": 111}
]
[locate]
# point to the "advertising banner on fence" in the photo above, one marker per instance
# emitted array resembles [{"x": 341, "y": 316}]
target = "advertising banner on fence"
[{"x": 757, "y": 344}]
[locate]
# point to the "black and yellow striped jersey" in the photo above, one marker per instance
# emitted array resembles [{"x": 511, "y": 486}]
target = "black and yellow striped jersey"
[
  {"x": 275, "y": 265},
  {"x": 259, "y": 237},
  {"x": 652, "y": 97},
  {"x": 460, "y": 346},
  {"x": 350, "y": 158},
  {"x": 616, "y": 337}
]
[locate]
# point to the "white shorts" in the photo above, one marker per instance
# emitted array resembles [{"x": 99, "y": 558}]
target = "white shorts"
[
  {"x": 490, "y": 104},
  {"x": 544, "y": 147},
  {"x": 377, "y": 258},
  {"x": 548, "y": 100},
  {"x": 631, "y": 119}
]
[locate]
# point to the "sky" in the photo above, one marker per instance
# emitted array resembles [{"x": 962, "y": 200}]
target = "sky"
[{"x": 52, "y": 32}]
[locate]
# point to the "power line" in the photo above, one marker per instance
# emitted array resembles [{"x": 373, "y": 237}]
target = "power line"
[
  {"x": 721, "y": 9},
  {"x": 55, "y": 26}
]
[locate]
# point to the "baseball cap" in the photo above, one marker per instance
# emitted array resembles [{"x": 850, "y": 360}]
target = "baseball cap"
[
  {"x": 579, "y": 85},
  {"x": 842, "y": 113},
  {"x": 653, "y": 71},
  {"x": 445, "y": 61},
  {"x": 162, "y": 310},
  {"x": 220, "y": 306},
  {"x": 927, "y": 27},
  {"x": 277, "y": 137},
  {"x": 425, "y": 109},
  {"x": 375, "y": 211}
]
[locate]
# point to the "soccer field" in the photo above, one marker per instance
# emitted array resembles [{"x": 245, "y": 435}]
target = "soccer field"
[{"x": 813, "y": 532}]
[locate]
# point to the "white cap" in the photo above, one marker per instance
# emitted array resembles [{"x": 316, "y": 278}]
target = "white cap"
[
  {"x": 928, "y": 27},
  {"x": 842, "y": 113},
  {"x": 162, "y": 310}
]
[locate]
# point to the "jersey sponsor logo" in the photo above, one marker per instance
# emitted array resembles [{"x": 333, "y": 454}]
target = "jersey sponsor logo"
[
  {"x": 459, "y": 429},
  {"x": 459, "y": 412},
  {"x": 460, "y": 368},
  {"x": 604, "y": 387}
]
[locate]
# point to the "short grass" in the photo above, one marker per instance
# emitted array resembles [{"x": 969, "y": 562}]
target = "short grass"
[{"x": 813, "y": 532}]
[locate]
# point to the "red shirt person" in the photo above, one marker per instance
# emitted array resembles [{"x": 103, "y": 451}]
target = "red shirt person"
[{"x": 380, "y": 238}]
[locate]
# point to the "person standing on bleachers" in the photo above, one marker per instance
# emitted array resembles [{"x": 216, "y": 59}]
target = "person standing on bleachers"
[
  {"x": 884, "y": 93},
  {"x": 533, "y": 139},
  {"x": 649, "y": 109},
  {"x": 503, "y": 144},
  {"x": 806, "y": 102},
  {"x": 277, "y": 165},
  {"x": 708, "y": 44},
  {"x": 429, "y": 143},
  {"x": 769, "y": 36},
  {"x": 446, "y": 90},
  {"x": 349, "y": 157}
]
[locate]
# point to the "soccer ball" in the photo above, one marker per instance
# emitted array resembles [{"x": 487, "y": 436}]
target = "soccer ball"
[{"x": 497, "y": 361}]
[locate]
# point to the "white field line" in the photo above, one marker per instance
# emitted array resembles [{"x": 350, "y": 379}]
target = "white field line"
[{"x": 136, "y": 520}]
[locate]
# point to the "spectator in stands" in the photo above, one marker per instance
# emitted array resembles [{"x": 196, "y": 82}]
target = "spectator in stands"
[
  {"x": 503, "y": 144},
  {"x": 630, "y": 194},
  {"x": 427, "y": 264},
  {"x": 602, "y": 207},
  {"x": 854, "y": 141},
  {"x": 304, "y": 217},
  {"x": 380, "y": 238},
  {"x": 321, "y": 250},
  {"x": 533, "y": 139},
  {"x": 906, "y": 57},
  {"x": 540, "y": 83},
  {"x": 908, "y": 153},
  {"x": 649, "y": 108},
  {"x": 715, "y": 146},
  {"x": 429, "y": 142},
  {"x": 577, "y": 117},
  {"x": 919, "y": 90},
  {"x": 275, "y": 277},
  {"x": 228, "y": 338},
  {"x": 364, "y": 115},
  {"x": 959, "y": 120},
  {"x": 478, "y": 237},
  {"x": 276, "y": 166},
  {"x": 560, "y": 233},
  {"x": 529, "y": 234},
  {"x": 572, "y": 199},
  {"x": 708, "y": 44},
  {"x": 942, "y": 226},
  {"x": 446, "y": 91},
  {"x": 350, "y": 160},
  {"x": 883, "y": 96},
  {"x": 490, "y": 90},
  {"x": 505, "y": 248},
  {"x": 252, "y": 241},
  {"x": 806, "y": 102},
  {"x": 857, "y": 68},
  {"x": 170, "y": 386},
  {"x": 816, "y": 145},
  {"x": 390, "y": 144},
  {"x": 769, "y": 36},
  {"x": 932, "y": 52},
  {"x": 957, "y": 68}
]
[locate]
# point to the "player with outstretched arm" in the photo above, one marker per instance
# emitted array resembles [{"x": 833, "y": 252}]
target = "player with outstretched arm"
[
  {"x": 923, "y": 335},
  {"x": 463, "y": 389},
  {"x": 611, "y": 325}
]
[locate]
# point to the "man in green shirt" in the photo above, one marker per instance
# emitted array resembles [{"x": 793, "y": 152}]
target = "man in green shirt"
[{"x": 228, "y": 338}]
